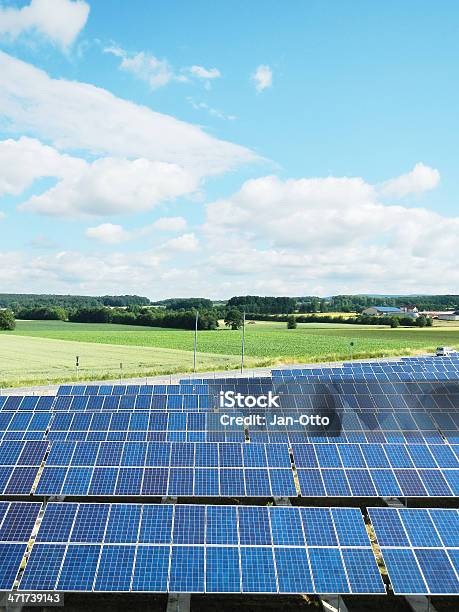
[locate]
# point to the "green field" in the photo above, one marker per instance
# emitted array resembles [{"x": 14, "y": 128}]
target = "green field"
[{"x": 44, "y": 351}]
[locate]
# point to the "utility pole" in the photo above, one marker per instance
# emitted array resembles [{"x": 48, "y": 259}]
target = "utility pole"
[
  {"x": 243, "y": 342},
  {"x": 195, "y": 340}
]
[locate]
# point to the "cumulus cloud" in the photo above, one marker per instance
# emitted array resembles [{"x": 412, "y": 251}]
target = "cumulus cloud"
[
  {"x": 170, "y": 224},
  {"x": 60, "y": 21},
  {"x": 300, "y": 236},
  {"x": 185, "y": 243},
  {"x": 113, "y": 186},
  {"x": 146, "y": 67},
  {"x": 204, "y": 73},
  {"x": 263, "y": 78},
  {"x": 27, "y": 159},
  {"x": 79, "y": 116},
  {"x": 421, "y": 178},
  {"x": 108, "y": 233},
  {"x": 332, "y": 235}
]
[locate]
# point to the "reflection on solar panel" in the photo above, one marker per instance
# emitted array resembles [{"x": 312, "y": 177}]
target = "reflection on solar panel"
[
  {"x": 213, "y": 549},
  {"x": 17, "y": 520},
  {"x": 416, "y": 545}
]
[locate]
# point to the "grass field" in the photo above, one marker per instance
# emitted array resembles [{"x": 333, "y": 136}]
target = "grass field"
[{"x": 44, "y": 351}]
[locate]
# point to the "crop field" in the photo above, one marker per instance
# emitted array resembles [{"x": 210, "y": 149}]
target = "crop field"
[{"x": 44, "y": 351}]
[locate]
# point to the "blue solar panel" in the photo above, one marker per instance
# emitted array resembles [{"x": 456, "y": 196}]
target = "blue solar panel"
[
  {"x": 221, "y": 525},
  {"x": 151, "y": 569},
  {"x": 21, "y": 481},
  {"x": 79, "y": 567},
  {"x": 328, "y": 570},
  {"x": 42, "y": 567},
  {"x": 362, "y": 571},
  {"x": 223, "y": 570},
  {"x": 438, "y": 572},
  {"x": 447, "y": 525},
  {"x": 180, "y": 481},
  {"x": 123, "y": 523},
  {"x": 311, "y": 483},
  {"x": 19, "y": 521},
  {"x": 115, "y": 568},
  {"x": 51, "y": 481},
  {"x": 206, "y": 482},
  {"x": 189, "y": 525},
  {"x": 336, "y": 483},
  {"x": 318, "y": 527},
  {"x": 129, "y": 481},
  {"x": 155, "y": 481},
  {"x": 156, "y": 524},
  {"x": 57, "y": 523},
  {"x": 232, "y": 482},
  {"x": 187, "y": 569},
  {"x": 293, "y": 572},
  {"x": 103, "y": 481},
  {"x": 286, "y": 526},
  {"x": 77, "y": 481},
  {"x": 258, "y": 570},
  {"x": 388, "y": 527},
  {"x": 254, "y": 527},
  {"x": 350, "y": 527},
  {"x": 90, "y": 523},
  {"x": 419, "y": 527},
  {"x": 257, "y": 482},
  {"x": 10, "y": 560},
  {"x": 282, "y": 483}
]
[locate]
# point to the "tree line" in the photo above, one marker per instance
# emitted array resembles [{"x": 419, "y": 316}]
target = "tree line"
[
  {"x": 362, "y": 319},
  {"x": 16, "y": 301}
]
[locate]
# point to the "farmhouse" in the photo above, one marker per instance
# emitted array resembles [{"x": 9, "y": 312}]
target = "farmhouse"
[
  {"x": 449, "y": 316},
  {"x": 380, "y": 311}
]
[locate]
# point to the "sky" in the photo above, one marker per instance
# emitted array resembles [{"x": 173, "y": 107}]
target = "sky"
[{"x": 176, "y": 149}]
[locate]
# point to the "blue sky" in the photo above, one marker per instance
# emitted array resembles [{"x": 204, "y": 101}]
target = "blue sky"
[{"x": 178, "y": 149}]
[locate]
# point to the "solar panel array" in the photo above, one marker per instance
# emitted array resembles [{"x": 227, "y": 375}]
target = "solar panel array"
[
  {"x": 398, "y": 436},
  {"x": 197, "y": 549},
  {"x": 17, "y": 521},
  {"x": 420, "y": 549}
]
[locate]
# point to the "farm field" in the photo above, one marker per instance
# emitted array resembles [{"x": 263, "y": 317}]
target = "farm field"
[{"x": 44, "y": 351}]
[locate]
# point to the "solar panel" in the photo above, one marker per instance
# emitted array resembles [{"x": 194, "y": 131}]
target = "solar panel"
[
  {"x": 187, "y": 569},
  {"x": 79, "y": 567},
  {"x": 43, "y": 567},
  {"x": 123, "y": 547},
  {"x": 415, "y": 550},
  {"x": 151, "y": 569}
]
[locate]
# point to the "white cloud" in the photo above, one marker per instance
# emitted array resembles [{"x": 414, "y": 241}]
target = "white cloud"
[
  {"x": 263, "y": 78},
  {"x": 186, "y": 243},
  {"x": 146, "y": 67},
  {"x": 421, "y": 178},
  {"x": 113, "y": 186},
  {"x": 25, "y": 160},
  {"x": 58, "y": 20},
  {"x": 108, "y": 233},
  {"x": 79, "y": 116},
  {"x": 212, "y": 111},
  {"x": 327, "y": 235},
  {"x": 2, "y": 215},
  {"x": 170, "y": 224},
  {"x": 204, "y": 73}
]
